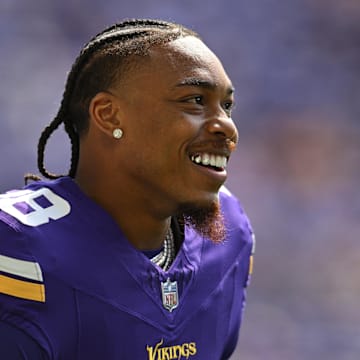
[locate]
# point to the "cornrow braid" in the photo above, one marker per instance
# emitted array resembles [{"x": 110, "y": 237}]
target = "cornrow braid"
[{"x": 100, "y": 62}]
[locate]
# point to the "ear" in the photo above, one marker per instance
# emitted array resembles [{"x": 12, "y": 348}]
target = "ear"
[{"x": 104, "y": 112}]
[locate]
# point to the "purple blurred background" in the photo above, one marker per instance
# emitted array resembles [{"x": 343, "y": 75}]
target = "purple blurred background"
[{"x": 296, "y": 67}]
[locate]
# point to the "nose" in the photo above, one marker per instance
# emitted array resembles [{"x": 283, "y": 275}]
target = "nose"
[{"x": 223, "y": 126}]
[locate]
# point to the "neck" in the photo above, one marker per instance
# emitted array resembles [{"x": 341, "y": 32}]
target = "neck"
[
  {"x": 142, "y": 217},
  {"x": 141, "y": 226}
]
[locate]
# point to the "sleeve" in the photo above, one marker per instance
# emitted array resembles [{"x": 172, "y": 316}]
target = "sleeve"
[
  {"x": 17, "y": 345},
  {"x": 22, "y": 294}
]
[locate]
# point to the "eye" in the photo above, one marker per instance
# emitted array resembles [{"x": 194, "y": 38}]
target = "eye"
[
  {"x": 199, "y": 100},
  {"x": 228, "y": 106}
]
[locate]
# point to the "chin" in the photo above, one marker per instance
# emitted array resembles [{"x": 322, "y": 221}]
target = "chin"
[
  {"x": 205, "y": 199},
  {"x": 199, "y": 200}
]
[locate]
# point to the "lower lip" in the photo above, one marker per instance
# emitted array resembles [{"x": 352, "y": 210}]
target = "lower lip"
[{"x": 219, "y": 176}]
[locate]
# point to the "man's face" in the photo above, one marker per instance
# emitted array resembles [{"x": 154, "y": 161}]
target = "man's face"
[{"x": 176, "y": 109}]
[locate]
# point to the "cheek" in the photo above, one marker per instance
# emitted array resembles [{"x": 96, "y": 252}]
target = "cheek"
[{"x": 162, "y": 132}]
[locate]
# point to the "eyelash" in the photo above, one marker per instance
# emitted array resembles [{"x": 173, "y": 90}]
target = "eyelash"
[{"x": 228, "y": 106}]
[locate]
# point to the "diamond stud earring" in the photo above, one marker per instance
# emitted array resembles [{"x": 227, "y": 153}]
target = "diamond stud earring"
[{"x": 117, "y": 133}]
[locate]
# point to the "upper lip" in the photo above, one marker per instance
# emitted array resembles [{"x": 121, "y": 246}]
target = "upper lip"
[
  {"x": 210, "y": 152},
  {"x": 221, "y": 148}
]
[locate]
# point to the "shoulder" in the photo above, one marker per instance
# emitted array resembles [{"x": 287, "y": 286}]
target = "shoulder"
[
  {"x": 21, "y": 277},
  {"x": 234, "y": 214},
  {"x": 31, "y": 288},
  {"x": 20, "y": 272},
  {"x": 22, "y": 214}
]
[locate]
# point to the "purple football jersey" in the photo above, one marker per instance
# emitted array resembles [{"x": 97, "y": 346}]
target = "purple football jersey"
[{"x": 71, "y": 280}]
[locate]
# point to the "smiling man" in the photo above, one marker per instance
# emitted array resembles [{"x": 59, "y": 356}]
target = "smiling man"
[{"x": 139, "y": 252}]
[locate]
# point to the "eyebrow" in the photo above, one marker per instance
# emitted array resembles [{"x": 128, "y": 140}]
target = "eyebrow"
[{"x": 203, "y": 84}]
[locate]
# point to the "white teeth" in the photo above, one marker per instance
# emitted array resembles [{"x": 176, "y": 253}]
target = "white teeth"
[
  {"x": 210, "y": 159},
  {"x": 206, "y": 159},
  {"x": 219, "y": 161}
]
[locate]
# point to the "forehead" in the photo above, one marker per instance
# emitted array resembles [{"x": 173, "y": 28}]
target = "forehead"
[{"x": 179, "y": 61}]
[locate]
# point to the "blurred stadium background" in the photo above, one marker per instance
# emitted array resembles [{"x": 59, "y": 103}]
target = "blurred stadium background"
[{"x": 296, "y": 68}]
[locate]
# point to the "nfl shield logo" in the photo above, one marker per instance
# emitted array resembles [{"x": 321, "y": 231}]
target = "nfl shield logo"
[{"x": 170, "y": 295}]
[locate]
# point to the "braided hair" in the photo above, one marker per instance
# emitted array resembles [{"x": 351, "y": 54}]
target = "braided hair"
[{"x": 100, "y": 63}]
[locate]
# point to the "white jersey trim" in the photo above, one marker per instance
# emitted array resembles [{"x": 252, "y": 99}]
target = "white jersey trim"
[{"x": 26, "y": 269}]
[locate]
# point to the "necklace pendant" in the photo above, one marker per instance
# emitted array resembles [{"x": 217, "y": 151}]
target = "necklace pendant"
[{"x": 170, "y": 295}]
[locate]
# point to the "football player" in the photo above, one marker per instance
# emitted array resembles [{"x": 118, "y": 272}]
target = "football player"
[{"x": 139, "y": 252}]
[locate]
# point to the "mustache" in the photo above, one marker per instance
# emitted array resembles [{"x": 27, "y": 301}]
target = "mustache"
[{"x": 229, "y": 145}]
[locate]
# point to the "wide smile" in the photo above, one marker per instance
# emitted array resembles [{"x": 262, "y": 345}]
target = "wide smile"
[{"x": 212, "y": 165}]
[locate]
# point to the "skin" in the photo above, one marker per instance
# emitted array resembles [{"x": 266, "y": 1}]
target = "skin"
[{"x": 166, "y": 116}]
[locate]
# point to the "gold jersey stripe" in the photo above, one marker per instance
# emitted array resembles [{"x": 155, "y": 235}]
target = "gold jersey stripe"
[
  {"x": 22, "y": 289},
  {"x": 251, "y": 265}
]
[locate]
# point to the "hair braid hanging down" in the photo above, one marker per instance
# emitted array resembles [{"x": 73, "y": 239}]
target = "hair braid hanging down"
[{"x": 89, "y": 76}]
